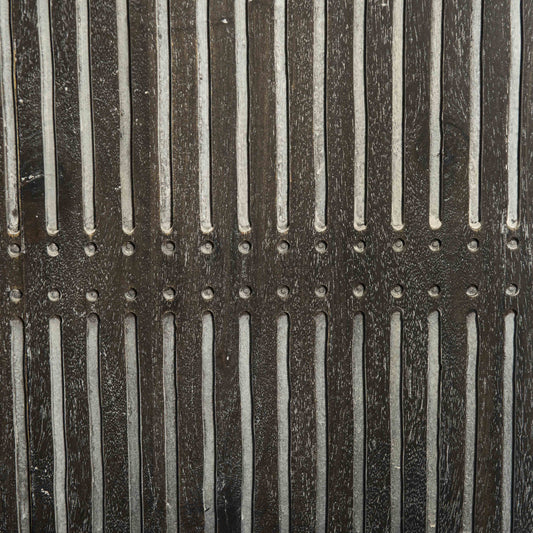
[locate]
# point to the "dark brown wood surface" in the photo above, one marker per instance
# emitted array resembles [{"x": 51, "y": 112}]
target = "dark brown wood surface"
[{"x": 343, "y": 273}]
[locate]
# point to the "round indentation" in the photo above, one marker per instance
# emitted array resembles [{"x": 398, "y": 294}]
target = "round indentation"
[
  {"x": 207, "y": 248},
  {"x": 168, "y": 247},
  {"x": 13, "y": 250},
  {"x": 208, "y": 293},
  {"x": 512, "y": 244},
  {"x": 512, "y": 290},
  {"x": 90, "y": 249},
  {"x": 321, "y": 291},
  {"x": 435, "y": 245},
  {"x": 91, "y": 295},
  {"x": 473, "y": 245},
  {"x": 130, "y": 295},
  {"x": 434, "y": 291},
  {"x": 283, "y": 247},
  {"x": 397, "y": 291},
  {"x": 359, "y": 290},
  {"x": 244, "y": 247},
  {"x": 245, "y": 292},
  {"x": 52, "y": 249},
  {"x": 283, "y": 292},
  {"x": 472, "y": 291},
  {"x": 169, "y": 294},
  {"x": 54, "y": 295},
  {"x": 15, "y": 295},
  {"x": 321, "y": 247},
  {"x": 128, "y": 248},
  {"x": 359, "y": 246},
  {"x": 398, "y": 245}
]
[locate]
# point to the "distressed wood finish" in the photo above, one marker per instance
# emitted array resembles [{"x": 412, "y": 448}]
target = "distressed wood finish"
[{"x": 292, "y": 286}]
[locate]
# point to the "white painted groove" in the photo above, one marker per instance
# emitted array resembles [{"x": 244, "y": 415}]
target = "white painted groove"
[
  {"x": 283, "y": 421},
  {"x": 319, "y": 110},
  {"x": 321, "y": 422},
  {"x": 163, "y": 116},
  {"x": 434, "y": 114},
  {"x": 475, "y": 114},
  {"x": 133, "y": 421},
  {"x": 47, "y": 115},
  {"x": 86, "y": 122},
  {"x": 397, "y": 115},
  {"x": 124, "y": 91},
  {"x": 280, "y": 63},
  {"x": 208, "y": 417},
  {"x": 358, "y": 384},
  {"x": 8, "y": 115},
  {"x": 245, "y": 387},
  {"x": 58, "y": 425},
  {"x": 508, "y": 412},
  {"x": 514, "y": 114},
  {"x": 95, "y": 424},
  {"x": 169, "y": 392},
  {"x": 359, "y": 89},
  {"x": 471, "y": 417},
  {"x": 20, "y": 425},
  {"x": 433, "y": 377},
  {"x": 395, "y": 402},
  {"x": 204, "y": 170},
  {"x": 241, "y": 148}
]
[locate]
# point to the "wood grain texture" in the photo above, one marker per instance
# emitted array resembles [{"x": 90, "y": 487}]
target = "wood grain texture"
[{"x": 344, "y": 446}]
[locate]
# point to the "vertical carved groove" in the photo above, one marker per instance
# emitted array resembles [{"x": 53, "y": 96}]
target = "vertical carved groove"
[
  {"x": 514, "y": 114},
  {"x": 124, "y": 90},
  {"x": 204, "y": 172},
  {"x": 241, "y": 148},
  {"x": 20, "y": 424},
  {"x": 359, "y": 89},
  {"x": 163, "y": 116},
  {"x": 471, "y": 417},
  {"x": 280, "y": 66},
  {"x": 169, "y": 392},
  {"x": 508, "y": 418},
  {"x": 245, "y": 386},
  {"x": 358, "y": 384},
  {"x": 397, "y": 115},
  {"x": 433, "y": 373},
  {"x": 435, "y": 136},
  {"x": 133, "y": 417},
  {"x": 95, "y": 424},
  {"x": 396, "y": 421},
  {"x": 58, "y": 424},
  {"x": 86, "y": 120},
  {"x": 475, "y": 113},
  {"x": 319, "y": 112},
  {"x": 283, "y": 422},
  {"x": 208, "y": 417},
  {"x": 47, "y": 115},
  {"x": 321, "y": 422},
  {"x": 9, "y": 120}
]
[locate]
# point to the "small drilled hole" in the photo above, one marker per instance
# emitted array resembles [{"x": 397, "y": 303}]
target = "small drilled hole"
[
  {"x": 13, "y": 250},
  {"x": 91, "y": 295},
  {"x": 397, "y": 291},
  {"x": 15, "y": 295},
  {"x": 435, "y": 245},
  {"x": 512, "y": 290},
  {"x": 359, "y": 290},
  {"x": 283, "y": 247},
  {"x": 52, "y": 249},
  {"x": 473, "y": 245},
  {"x": 359, "y": 247},
  {"x": 169, "y": 294},
  {"x": 398, "y": 245},
  {"x": 283, "y": 292},
  {"x": 434, "y": 291},
  {"x": 207, "y": 248},
  {"x": 512, "y": 244},
  {"x": 54, "y": 295},
  {"x": 472, "y": 291},
  {"x": 244, "y": 247},
  {"x": 245, "y": 292},
  {"x": 90, "y": 249},
  {"x": 321, "y": 291},
  {"x": 130, "y": 295},
  {"x": 168, "y": 247},
  {"x": 128, "y": 248},
  {"x": 208, "y": 293},
  {"x": 321, "y": 247}
]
